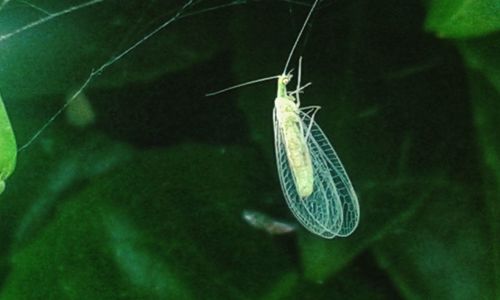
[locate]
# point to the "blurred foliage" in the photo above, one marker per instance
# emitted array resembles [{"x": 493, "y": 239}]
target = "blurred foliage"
[
  {"x": 463, "y": 18},
  {"x": 146, "y": 202}
]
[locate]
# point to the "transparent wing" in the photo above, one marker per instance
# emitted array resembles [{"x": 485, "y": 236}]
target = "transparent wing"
[
  {"x": 321, "y": 212},
  {"x": 320, "y": 147}
]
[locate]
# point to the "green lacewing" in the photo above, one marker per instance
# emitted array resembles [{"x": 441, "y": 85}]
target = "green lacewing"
[{"x": 313, "y": 180}]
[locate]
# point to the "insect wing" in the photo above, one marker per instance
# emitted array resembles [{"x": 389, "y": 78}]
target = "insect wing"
[
  {"x": 320, "y": 212},
  {"x": 321, "y": 149}
]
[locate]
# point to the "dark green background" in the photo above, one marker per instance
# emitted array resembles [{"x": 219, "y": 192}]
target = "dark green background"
[{"x": 146, "y": 203}]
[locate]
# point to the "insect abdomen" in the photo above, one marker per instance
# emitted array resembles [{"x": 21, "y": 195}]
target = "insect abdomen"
[{"x": 296, "y": 148}]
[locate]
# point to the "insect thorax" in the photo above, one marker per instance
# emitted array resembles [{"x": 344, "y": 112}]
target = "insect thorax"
[{"x": 286, "y": 110}]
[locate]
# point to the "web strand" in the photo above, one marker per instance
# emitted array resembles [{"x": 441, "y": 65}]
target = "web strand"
[
  {"x": 299, "y": 35},
  {"x": 240, "y": 85},
  {"x": 47, "y": 18},
  {"x": 99, "y": 70}
]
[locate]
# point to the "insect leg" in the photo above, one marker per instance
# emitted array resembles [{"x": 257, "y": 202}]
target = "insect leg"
[
  {"x": 308, "y": 110},
  {"x": 299, "y": 77},
  {"x": 299, "y": 88},
  {"x": 297, "y": 92},
  {"x": 313, "y": 111}
]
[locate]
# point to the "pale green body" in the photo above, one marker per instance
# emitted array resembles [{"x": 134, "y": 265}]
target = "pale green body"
[
  {"x": 8, "y": 147},
  {"x": 297, "y": 152}
]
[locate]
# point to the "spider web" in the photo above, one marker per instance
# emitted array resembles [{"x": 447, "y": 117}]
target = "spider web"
[{"x": 33, "y": 33}]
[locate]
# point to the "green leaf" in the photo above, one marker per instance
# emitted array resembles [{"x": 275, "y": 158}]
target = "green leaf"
[
  {"x": 155, "y": 238},
  {"x": 482, "y": 55},
  {"x": 444, "y": 252},
  {"x": 463, "y": 18},
  {"x": 449, "y": 249},
  {"x": 486, "y": 106},
  {"x": 284, "y": 288},
  {"x": 361, "y": 280},
  {"x": 8, "y": 148},
  {"x": 323, "y": 259},
  {"x": 60, "y": 159},
  {"x": 483, "y": 59}
]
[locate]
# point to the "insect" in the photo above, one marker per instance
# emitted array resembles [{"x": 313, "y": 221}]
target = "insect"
[
  {"x": 313, "y": 180},
  {"x": 264, "y": 222},
  {"x": 8, "y": 148}
]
